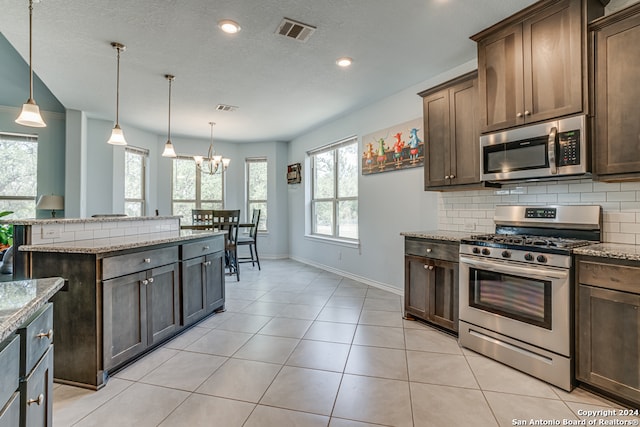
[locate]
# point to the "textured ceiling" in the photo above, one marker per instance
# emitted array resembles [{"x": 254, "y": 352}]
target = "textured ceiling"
[{"x": 283, "y": 87}]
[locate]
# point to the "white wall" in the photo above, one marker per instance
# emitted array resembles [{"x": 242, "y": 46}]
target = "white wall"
[{"x": 389, "y": 202}]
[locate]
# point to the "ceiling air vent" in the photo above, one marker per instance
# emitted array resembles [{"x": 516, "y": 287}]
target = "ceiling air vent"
[
  {"x": 295, "y": 30},
  {"x": 225, "y": 107}
]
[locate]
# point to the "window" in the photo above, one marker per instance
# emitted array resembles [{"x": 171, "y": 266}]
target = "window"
[
  {"x": 135, "y": 161},
  {"x": 194, "y": 189},
  {"x": 19, "y": 183},
  {"x": 257, "y": 189},
  {"x": 334, "y": 187}
]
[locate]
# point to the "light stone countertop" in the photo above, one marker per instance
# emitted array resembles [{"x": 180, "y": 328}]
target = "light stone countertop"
[
  {"x": 20, "y": 299},
  {"x": 112, "y": 244},
  {"x": 611, "y": 250},
  {"x": 453, "y": 236},
  {"x": 40, "y": 221}
]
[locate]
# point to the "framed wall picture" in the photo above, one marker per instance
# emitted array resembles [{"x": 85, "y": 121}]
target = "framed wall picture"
[{"x": 294, "y": 173}]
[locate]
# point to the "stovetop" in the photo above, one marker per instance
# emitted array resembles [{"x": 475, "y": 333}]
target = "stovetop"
[{"x": 535, "y": 242}]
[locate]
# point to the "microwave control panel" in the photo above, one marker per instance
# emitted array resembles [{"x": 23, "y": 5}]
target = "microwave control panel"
[{"x": 569, "y": 147}]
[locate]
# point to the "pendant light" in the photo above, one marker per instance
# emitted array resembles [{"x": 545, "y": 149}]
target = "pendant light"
[
  {"x": 212, "y": 160},
  {"x": 168, "y": 146},
  {"x": 30, "y": 114},
  {"x": 117, "y": 136}
]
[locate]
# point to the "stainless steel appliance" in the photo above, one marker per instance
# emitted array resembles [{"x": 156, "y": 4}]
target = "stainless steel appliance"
[
  {"x": 516, "y": 288},
  {"x": 543, "y": 150}
]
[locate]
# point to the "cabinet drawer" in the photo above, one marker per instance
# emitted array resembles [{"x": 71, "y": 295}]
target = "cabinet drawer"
[
  {"x": 10, "y": 368},
  {"x": 432, "y": 249},
  {"x": 36, "y": 394},
  {"x": 202, "y": 247},
  {"x": 35, "y": 337},
  {"x": 10, "y": 414},
  {"x": 138, "y": 261},
  {"x": 606, "y": 275}
]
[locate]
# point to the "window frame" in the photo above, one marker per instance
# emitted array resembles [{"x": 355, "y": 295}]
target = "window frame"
[
  {"x": 198, "y": 193},
  {"x": 336, "y": 199},
  {"x": 31, "y": 138},
  {"x": 248, "y": 201},
  {"x": 144, "y": 153}
]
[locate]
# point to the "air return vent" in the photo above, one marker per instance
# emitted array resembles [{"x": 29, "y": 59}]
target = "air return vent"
[
  {"x": 295, "y": 30},
  {"x": 225, "y": 107}
]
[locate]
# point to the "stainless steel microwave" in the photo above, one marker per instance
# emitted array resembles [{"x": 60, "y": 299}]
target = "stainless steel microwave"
[{"x": 544, "y": 150}]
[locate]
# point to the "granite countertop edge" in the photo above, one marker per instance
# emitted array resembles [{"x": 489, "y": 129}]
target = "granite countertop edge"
[
  {"x": 611, "y": 250},
  {"x": 99, "y": 246},
  {"x": 40, "y": 221},
  {"x": 46, "y": 288},
  {"x": 451, "y": 236}
]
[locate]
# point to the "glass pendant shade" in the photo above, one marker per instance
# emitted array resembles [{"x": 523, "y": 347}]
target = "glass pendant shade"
[
  {"x": 169, "y": 151},
  {"x": 117, "y": 136},
  {"x": 30, "y": 115}
]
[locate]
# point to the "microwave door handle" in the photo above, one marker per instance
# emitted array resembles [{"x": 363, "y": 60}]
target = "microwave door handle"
[{"x": 552, "y": 151}]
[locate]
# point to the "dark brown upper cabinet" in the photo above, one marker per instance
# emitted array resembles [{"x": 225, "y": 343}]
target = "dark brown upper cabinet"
[
  {"x": 532, "y": 65},
  {"x": 616, "y": 53}
]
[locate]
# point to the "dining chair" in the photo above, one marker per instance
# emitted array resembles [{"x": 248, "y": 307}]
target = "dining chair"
[
  {"x": 229, "y": 220},
  {"x": 251, "y": 240},
  {"x": 201, "y": 216}
]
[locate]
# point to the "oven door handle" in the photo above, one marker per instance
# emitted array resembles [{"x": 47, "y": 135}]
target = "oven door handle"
[{"x": 537, "y": 271}]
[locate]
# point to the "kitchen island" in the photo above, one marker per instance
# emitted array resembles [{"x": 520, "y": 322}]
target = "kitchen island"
[{"x": 126, "y": 293}]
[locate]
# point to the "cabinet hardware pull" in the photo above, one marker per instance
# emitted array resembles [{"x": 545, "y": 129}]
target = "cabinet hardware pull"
[
  {"x": 429, "y": 250},
  {"x": 39, "y": 400},
  {"x": 205, "y": 248},
  {"x": 145, "y": 282},
  {"x": 150, "y": 279},
  {"x": 519, "y": 115},
  {"x": 207, "y": 263},
  {"x": 452, "y": 176},
  {"x": 48, "y": 335},
  {"x": 147, "y": 260},
  {"x": 431, "y": 267},
  {"x": 527, "y": 113}
]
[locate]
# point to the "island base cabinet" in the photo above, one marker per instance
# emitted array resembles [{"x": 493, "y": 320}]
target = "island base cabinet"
[
  {"x": 609, "y": 341},
  {"x": 10, "y": 414},
  {"x": 36, "y": 394},
  {"x": 163, "y": 303},
  {"x": 202, "y": 286}
]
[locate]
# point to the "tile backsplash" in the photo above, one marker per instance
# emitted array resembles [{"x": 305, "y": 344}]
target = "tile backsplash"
[{"x": 474, "y": 210}]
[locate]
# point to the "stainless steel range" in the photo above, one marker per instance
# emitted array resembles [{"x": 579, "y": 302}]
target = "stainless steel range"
[{"x": 516, "y": 288}]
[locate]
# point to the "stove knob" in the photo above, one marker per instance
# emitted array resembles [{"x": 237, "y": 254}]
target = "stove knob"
[
  {"x": 542, "y": 258},
  {"x": 486, "y": 251},
  {"x": 476, "y": 250},
  {"x": 506, "y": 254},
  {"x": 528, "y": 257}
]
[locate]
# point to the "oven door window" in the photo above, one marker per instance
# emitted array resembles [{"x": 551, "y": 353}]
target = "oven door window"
[
  {"x": 516, "y": 156},
  {"x": 520, "y": 298}
]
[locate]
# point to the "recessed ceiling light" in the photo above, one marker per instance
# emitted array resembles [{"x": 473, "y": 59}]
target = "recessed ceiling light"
[
  {"x": 229, "y": 26},
  {"x": 345, "y": 61}
]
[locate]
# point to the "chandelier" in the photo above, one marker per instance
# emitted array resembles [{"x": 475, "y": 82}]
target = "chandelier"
[{"x": 211, "y": 163}]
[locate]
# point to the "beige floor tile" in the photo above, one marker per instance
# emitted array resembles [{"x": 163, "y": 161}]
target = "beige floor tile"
[
  {"x": 326, "y": 356},
  {"x": 340, "y": 422},
  {"x": 265, "y": 348},
  {"x": 215, "y": 320},
  {"x": 265, "y": 308},
  {"x": 70, "y": 404},
  {"x": 280, "y": 296},
  {"x": 317, "y": 298},
  {"x": 148, "y": 363},
  {"x": 350, "y": 283},
  {"x": 141, "y": 405},
  {"x": 332, "y": 332},
  {"x": 380, "y": 318},
  {"x": 185, "y": 371},
  {"x": 243, "y": 322},
  {"x": 416, "y": 324},
  {"x": 439, "y": 368},
  {"x": 301, "y": 389},
  {"x": 345, "y": 302},
  {"x": 431, "y": 340},
  {"x": 301, "y": 311},
  {"x": 377, "y": 362},
  {"x": 339, "y": 314},
  {"x": 187, "y": 338},
  {"x": 382, "y": 294},
  {"x": 382, "y": 304},
  {"x": 233, "y": 292},
  {"x": 283, "y": 327},
  {"x": 241, "y": 380},
  {"x": 379, "y": 336},
  {"x": 350, "y": 291},
  {"x": 579, "y": 395},
  {"x": 265, "y": 416},
  {"x": 374, "y": 400},
  {"x": 221, "y": 343},
  {"x": 236, "y": 305},
  {"x": 494, "y": 376},
  {"x": 436, "y": 406},
  {"x": 509, "y": 407},
  {"x": 199, "y": 410}
]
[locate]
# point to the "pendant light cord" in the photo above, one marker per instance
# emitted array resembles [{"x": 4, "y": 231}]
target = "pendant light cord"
[
  {"x": 30, "y": 52},
  {"x": 169, "y": 121},
  {"x": 118, "y": 88}
]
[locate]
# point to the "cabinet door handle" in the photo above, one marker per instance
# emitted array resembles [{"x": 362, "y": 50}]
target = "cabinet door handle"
[
  {"x": 145, "y": 282},
  {"x": 150, "y": 279},
  {"x": 207, "y": 263},
  {"x": 429, "y": 250},
  {"x": 431, "y": 267},
  {"x": 205, "y": 248},
  {"x": 519, "y": 115},
  {"x": 446, "y": 177},
  {"x": 527, "y": 113},
  {"x": 452, "y": 176},
  {"x": 39, "y": 400},
  {"x": 48, "y": 335},
  {"x": 147, "y": 260}
]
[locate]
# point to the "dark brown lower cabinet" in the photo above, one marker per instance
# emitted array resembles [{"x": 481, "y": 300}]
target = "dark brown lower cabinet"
[
  {"x": 36, "y": 394},
  {"x": 431, "y": 285},
  {"x": 202, "y": 286},
  {"x": 608, "y": 327}
]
